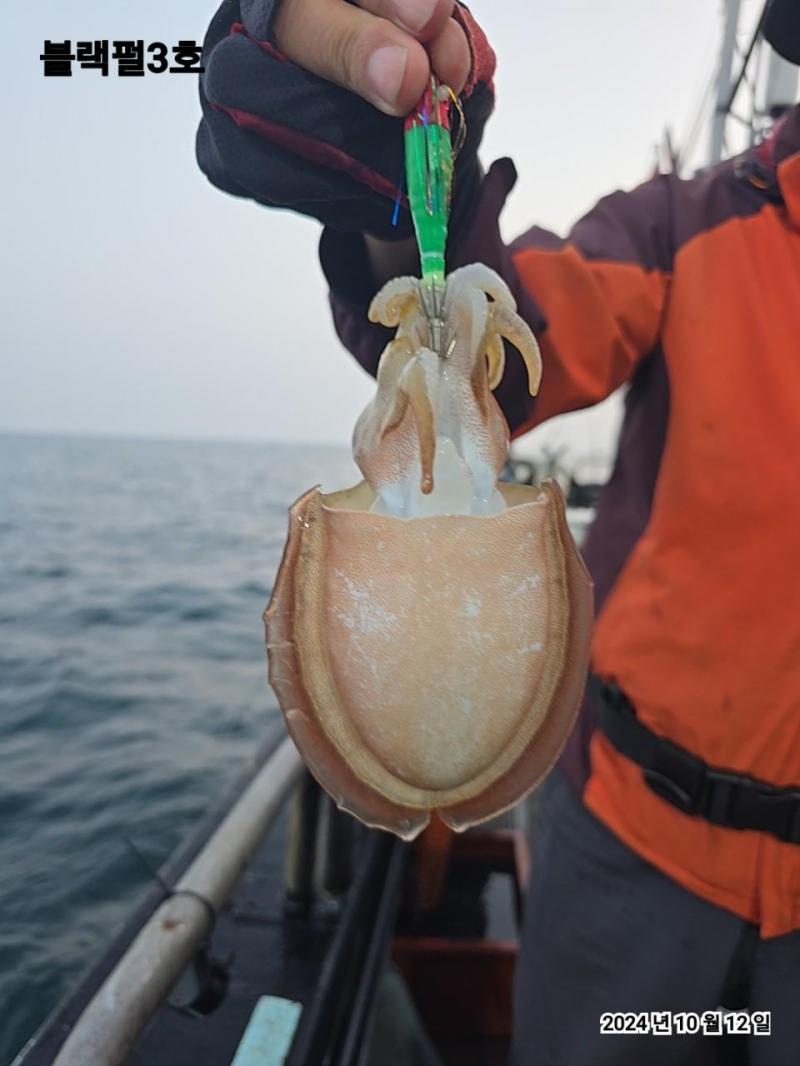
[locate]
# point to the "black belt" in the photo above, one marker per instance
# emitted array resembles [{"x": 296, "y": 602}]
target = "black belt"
[{"x": 723, "y": 797}]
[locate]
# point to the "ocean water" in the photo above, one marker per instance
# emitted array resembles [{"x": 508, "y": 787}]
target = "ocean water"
[{"x": 133, "y": 677}]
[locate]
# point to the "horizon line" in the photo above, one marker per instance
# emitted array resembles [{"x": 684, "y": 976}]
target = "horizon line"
[{"x": 157, "y": 438}]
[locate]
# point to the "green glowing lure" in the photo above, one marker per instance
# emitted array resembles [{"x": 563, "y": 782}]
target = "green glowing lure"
[{"x": 429, "y": 178}]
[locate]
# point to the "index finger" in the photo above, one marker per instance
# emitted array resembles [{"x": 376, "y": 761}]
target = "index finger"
[{"x": 422, "y": 19}]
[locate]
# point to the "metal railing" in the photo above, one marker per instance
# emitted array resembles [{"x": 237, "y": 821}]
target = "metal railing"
[{"x": 140, "y": 983}]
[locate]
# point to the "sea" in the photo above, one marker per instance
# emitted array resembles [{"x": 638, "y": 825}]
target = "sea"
[{"x": 133, "y": 680}]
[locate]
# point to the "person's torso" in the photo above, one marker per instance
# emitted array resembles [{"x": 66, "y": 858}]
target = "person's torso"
[{"x": 701, "y": 627}]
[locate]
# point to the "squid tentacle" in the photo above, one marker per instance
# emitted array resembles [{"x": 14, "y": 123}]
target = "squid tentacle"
[
  {"x": 418, "y": 385},
  {"x": 399, "y": 429},
  {"x": 496, "y": 357},
  {"x": 507, "y": 324},
  {"x": 478, "y": 276},
  {"x": 395, "y": 302}
]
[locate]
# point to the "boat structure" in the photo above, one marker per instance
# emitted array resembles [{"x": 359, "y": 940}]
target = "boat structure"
[
  {"x": 580, "y": 479},
  {"x": 285, "y": 933}
]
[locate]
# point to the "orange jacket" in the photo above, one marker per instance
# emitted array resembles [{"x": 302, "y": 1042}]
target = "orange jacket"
[{"x": 690, "y": 290}]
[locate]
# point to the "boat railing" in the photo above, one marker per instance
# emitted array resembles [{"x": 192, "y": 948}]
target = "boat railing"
[{"x": 137, "y": 987}]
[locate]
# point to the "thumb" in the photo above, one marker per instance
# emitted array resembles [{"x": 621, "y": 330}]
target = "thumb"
[{"x": 344, "y": 44}]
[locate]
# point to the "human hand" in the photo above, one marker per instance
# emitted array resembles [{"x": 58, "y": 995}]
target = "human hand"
[
  {"x": 382, "y": 50},
  {"x": 288, "y": 102}
]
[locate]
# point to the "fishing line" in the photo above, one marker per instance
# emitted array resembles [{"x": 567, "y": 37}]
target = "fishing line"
[{"x": 169, "y": 890}]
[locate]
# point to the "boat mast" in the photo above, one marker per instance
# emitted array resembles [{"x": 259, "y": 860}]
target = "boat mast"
[
  {"x": 724, "y": 80},
  {"x": 770, "y": 95}
]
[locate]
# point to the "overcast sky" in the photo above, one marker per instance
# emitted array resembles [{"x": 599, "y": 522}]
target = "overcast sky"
[{"x": 136, "y": 299}]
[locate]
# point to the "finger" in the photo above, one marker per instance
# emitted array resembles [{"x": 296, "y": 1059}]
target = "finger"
[
  {"x": 450, "y": 56},
  {"x": 422, "y": 19},
  {"x": 355, "y": 49}
]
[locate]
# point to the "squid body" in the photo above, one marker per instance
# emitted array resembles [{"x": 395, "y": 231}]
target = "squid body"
[{"x": 428, "y": 633}]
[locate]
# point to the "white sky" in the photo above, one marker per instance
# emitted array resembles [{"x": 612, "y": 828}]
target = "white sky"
[{"x": 136, "y": 299}]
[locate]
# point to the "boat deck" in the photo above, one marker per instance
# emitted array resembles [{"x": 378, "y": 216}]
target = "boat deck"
[
  {"x": 334, "y": 957},
  {"x": 271, "y": 954}
]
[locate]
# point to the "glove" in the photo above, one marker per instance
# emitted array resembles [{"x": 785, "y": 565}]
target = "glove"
[{"x": 277, "y": 134}]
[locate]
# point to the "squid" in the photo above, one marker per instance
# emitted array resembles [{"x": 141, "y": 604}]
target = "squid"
[{"x": 428, "y": 632}]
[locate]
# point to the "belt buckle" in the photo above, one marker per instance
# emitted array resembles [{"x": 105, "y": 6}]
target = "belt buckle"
[
  {"x": 731, "y": 808},
  {"x": 719, "y": 802}
]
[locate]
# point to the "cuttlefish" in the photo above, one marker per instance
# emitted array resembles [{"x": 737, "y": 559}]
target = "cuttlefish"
[{"x": 428, "y": 633}]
